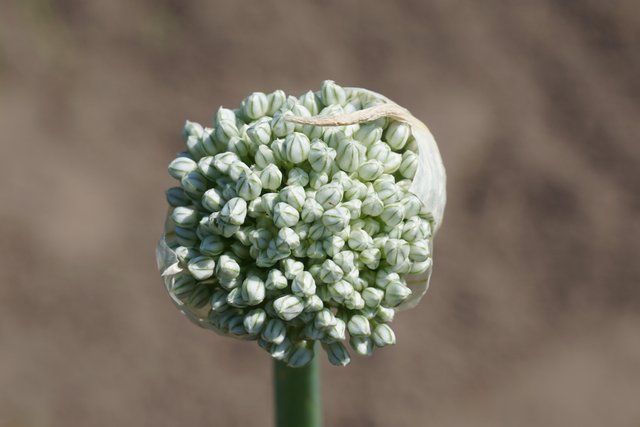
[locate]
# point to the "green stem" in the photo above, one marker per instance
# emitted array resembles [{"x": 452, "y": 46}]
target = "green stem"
[{"x": 297, "y": 394}]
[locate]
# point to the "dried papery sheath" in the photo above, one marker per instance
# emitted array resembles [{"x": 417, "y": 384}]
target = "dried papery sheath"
[{"x": 302, "y": 219}]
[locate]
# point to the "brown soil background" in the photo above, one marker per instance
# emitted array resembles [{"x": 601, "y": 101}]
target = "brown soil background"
[{"x": 533, "y": 315}]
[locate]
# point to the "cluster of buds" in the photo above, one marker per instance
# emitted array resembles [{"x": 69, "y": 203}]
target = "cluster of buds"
[{"x": 288, "y": 233}]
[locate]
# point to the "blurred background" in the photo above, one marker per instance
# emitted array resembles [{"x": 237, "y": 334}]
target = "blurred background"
[{"x": 533, "y": 315}]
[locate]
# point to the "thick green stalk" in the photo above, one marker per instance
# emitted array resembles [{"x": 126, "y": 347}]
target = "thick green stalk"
[{"x": 297, "y": 394}]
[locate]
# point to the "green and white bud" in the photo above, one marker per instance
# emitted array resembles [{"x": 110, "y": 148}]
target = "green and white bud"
[
  {"x": 383, "y": 335},
  {"x": 200, "y": 296},
  {"x": 195, "y": 147},
  {"x": 300, "y": 356},
  {"x": 388, "y": 193},
  {"x": 194, "y": 184},
  {"x": 303, "y": 285},
  {"x": 181, "y": 166},
  {"x": 285, "y": 215},
  {"x": 340, "y": 290},
  {"x": 354, "y": 301},
  {"x": 212, "y": 200},
  {"x": 311, "y": 333},
  {"x": 311, "y": 211},
  {"x": 288, "y": 307},
  {"x": 225, "y": 130},
  {"x": 223, "y": 161},
  {"x": 379, "y": 151},
  {"x": 419, "y": 251},
  {"x": 409, "y": 164},
  {"x": 218, "y": 301},
  {"x": 317, "y": 179},
  {"x": 317, "y": 231},
  {"x": 346, "y": 260},
  {"x": 299, "y": 177},
  {"x": 276, "y": 100},
  {"x": 183, "y": 287},
  {"x": 392, "y": 214},
  {"x": 260, "y": 132},
  {"x": 201, "y": 267},
  {"x": 396, "y": 251},
  {"x": 358, "y": 325},
  {"x": 368, "y": 134},
  {"x": 397, "y": 135},
  {"x": 420, "y": 267},
  {"x": 331, "y": 93},
  {"x": 385, "y": 314},
  {"x": 275, "y": 331},
  {"x": 177, "y": 197},
  {"x": 336, "y": 219},
  {"x": 359, "y": 240},
  {"x": 315, "y": 250},
  {"x": 370, "y": 257},
  {"x": 296, "y": 147},
  {"x": 287, "y": 239},
  {"x": 254, "y": 321},
  {"x": 293, "y": 195},
  {"x": 263, "y": 157},
  {"x": 280, "y": 126},
  {"x": 370, "y": 170},
  {"x": 292, "y": 268},
  {"x": 275, "y": 280},
  {"x": 271, "y": 177},
  {"x": 184, "y": 254},
  {"x": 313, "y": 304},
  {"x": 396, "y": 293},
  {"x": 184, "y": 216},
  {"x": 372, "y": 205},
  {"x": 227, "y": 268},
  {"x": 234, "y": 211},
  {"x": 311, "y": 103},
  {"x": 324, "y": 319},
  {"x": 212, "y": 245},
  {"x": 269, "y": 201},
  {"x": 230, "y": 284},
  {"x": 329, "y": 195},
  {"x": 321, "y": 156},
  {"x": 192, "y": 129},
  {"x": 354, "y": 207},
  {"x": 338, "y": 331},
  {"x": 337, "y": 354},
  {"x": 412, "y": 205},
  {"x": 281, "y": 351},
  {"x": 333, "y": 244},
  {"x": 255, "y": 105},
  {"x": 361, "y": 345},
  {"x": 186, "y": 236},
  {"x": 253, "y": 290},
  {"x": 392, "y": 164},
  {"x": 348, "y": 155},
  {"x": 249, "y": 186},
  {"x": 372, "y": 297},
  {"x": 239, "y": 146},
  {"x": 330, "y": 272}
]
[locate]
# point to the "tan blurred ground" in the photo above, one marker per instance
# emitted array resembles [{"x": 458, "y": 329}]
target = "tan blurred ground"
[{"x": 533, "y": 315}]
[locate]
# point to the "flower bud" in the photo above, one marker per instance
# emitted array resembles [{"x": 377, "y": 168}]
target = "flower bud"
[
  {"x": 212, "y": 200},
  {"x": 354, "y": 301},
  {"x": 292, "y": 268},
  {"x": 370, "y": 170},
  {"x": 183, "y": 287},
  {"x": 396, "y": 251},
  {"x": 192, "y": 129},
  {"x": 338, "y": 355},
  {"x": 332, "y": 245},
  {"x": 393, "y": 214},
  {"x": 368, "y": 134},
  {"x": 281, "y": 351},
  {"x": 195, "y": 147},
  {"x": 388, "y": 193},
  {"x": 275, "y": 331},
  {"x": 271, "y": 177},
  {"x": 303, "y": 285},
  {"x": 249, "y": 186},
  {"x": 396, "y": 293},
  {"x": 329, "y": 195},
  {"x": 293, "y": 195},
  {"x": 177, "y": 197},
  {"x": 331, "y": 93},
  {"x": 255, "y": 105},
  {"x": 409, "y": 164},
  {"x": 186, "y": 236},
  {"x": 335, "y": 219},
  {"x": 338, "y": 331},
  {"x": 260, "y": 132},
  {"x": 370, "y": 257},
  {"x": 254, "y": 321},
  {"x": 372, "y": 205},
  {"x": 201, "y": 267},
  {"x": 392, "y": 164},
  {"x": 184, "y": 216},
  {"x": 253, "y": 290},
  {"x": 280, "y": 126},
  {"x": 372, "y": 297},
  {"x": 263, "y": 157},
  {"x": 234, "y": 211},
  {"x": 225, "y": 130},
  {"x": 313, "y": 304},
  {"x": 346, "y": 260},
  {"x": 412, "y": 205},
  {"x": 315, "y": 250},
  {"x": 321, "y": 156},
  {"x": 269, "y": 201},
  {"x": 317, "y": 179},
  {"x": 311, "y": 211},
  {"x": 324, "y": 319},
  {"x": 200, "y": 296},
  {"x": 340, "y": 290},
  {"x": 299, "y": 177},
  {"x": 311, "y": 103},
  {"x": 212, "y": 245},
  {"x": 348, "y": 155},
  {"x": 218, "y": 301},
  {"x": 275, "y": 280},
  {"x": 354, "y": 207},
  {"x": 181, "y": 166},
  {"x": 330, "y": 272},
  {"x": 362, "y": 345},
  {"x": 358, "y": 325},
  {"x": 227, "y": 268},
  {"x": 359, "y": 240},
  {"x": 275, "y": 253},
  {"x": 276, "y": 100},
  {"x": 288, "y": 307},
  {"x": 379, "y": 151},
  {"x": 230, "y": 284},
  {"x": 296, "y": 147},
  {"x": 419, "y": 251},
  {"x": 383, "y": 335},
  {"x": 300, "y": 356},
  {"x": 184, "y": 254},
  {"x": 223, "y": 161},
  {"x": 397, "y": 134},
  {"x": 285, "y": 215},
  {"x": 420, "y": 267}
]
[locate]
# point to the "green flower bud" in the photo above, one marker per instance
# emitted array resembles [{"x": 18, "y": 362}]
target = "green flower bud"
[
  {"x": 379, "y": 151},
  {"x": 271, "y": 177},
  {"x": 269, "y": 201},
  {"x": 254, "y": 321},
  {"x": 225, "y": 130},
  {"x": 336, "y": 219},
  {"x": 372, "y": 297},
  {"x": 276, "y": 253},
  {"x": 302, "y": 230},
  {"x": 346, "y": 260},
  {"x": 370, "y": 257},
  {"x": 184, "y": 216},
  {"x": 192, "y": 129},
  {"x": 260, "y": 132},
  {"x": 331, "y": 93},
  {"x": 383, "y": 335},
  {"x": 321, "y": 156},
  {"x": 330, "y": 272},
  {"x": 372, "y": 205},
  {"x": 195, "y": 147},
  {"x": 370, "y": 170},
  {"x": 354, "y": 301},
  {"x": 396, "y": 251},
  {"x": 329, "y": 195},
  {"x": 317, "y": 179},
  {"x": 419, "y": 251},
  {"x": 186, "y": 236},
  {"x": 224, "y": 114},
  {"x": 368, "y": 134},
  {"x": 296, "y": 147},
  {"x": 218, "y": 301},
  {"x": 300, "y": 356},
  {"x": 227, "y": 268},
  {"x": 275, "y": 280},
  {"x": 315, "y": 250},
  {"x": 299, "y": 177},
  {"x": 212, "y": 200},
  {"x": 240, "y": 250},
  {"x": 359, "y": 240},
  {"x": 200, "y": 296},
  {"x": 275, "y": 331},
  {"x": 234, "y": 211},
  {"x": 276, "y": 100},
  {"x": 292, "y": 268},
  {"x": 324, "y": 319},
  {"x": 362, "y": 345},
  {"x": 388, "y": 193},
  {"x": 212, "y": 245},
  {"x": 396, "y": 293},
  {"x": 288, "y": 307},
  {"x": 280, "y": 126},
  {"x": 184, "y": 254},
  {"x": 311, "y": 103},
  {"x": 409, "y": 164},
  {"x": 253, "y": 290},
  {"x": 264, "y": 157},
  {"x": 181, "y": 166},
  {"x": 311, "y": 333},
  {"x": 277, "y": 147},
  {"x": 183, "y": 287},
  {"x": 392, "y": 164},
  {"x": 238, "y": 146},
  {"x": 311, "y": 211},
  {"x": 194, "y": 184},
  {"x": 420, "y": 267},
  {"x": 255, "y": 105},
  {"x": 287, "y": 239},
  {"x": 393, "y": 214},
  {"x": 177, "y": 197},
  {"x": 384, "y": 277},
  {"x": 385, "y": 314},
  {"x": 230, "y": 284},
  {"x": 285, "y": 215},
  {"x": 338, "y": 331},
  {"x": 201, "y": 267},
  {"x": 348, "y": 155},
  {"x": 358, "y": 325},
  {"x": 338, "y": 355},
  {"x": 303, "y": 285},
  {"x": 249, "y": 186},
  {"x": 412, "y": 205},
  {"x": 313, "y": 304},
  {"x": 281, "y": 351},
  {"x": 354, "y": 207},
  {"x": 340, "y": 290},
  {"x": 293, "y": 195},
  {"x": 332, "y": 245},
  {"x": 397, "y": 135},
  {"x": 223, "y": 161}
]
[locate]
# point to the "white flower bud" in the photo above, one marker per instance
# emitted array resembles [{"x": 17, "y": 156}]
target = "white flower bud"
[
  {"x": 255, "y": 105},
  {"x": 275, "y": 331},
  {"x": 330, "y": 272},
  {"x": 383, "y": 335},
  {"x": 311, "y": 103},
  {"x": 195, "y": 147},
  {"x": 315, "y": 250},
  {"x": 303, "y": 285},
  {"x": 287, "y": 239},
  {"x": 297, "y": 176},
  {"x": 379, "y": 151},
  {"x": 359, "y": 240},
  {"x": 340, "y": 290},
  {"x": 184, "y": 216},
  {"x": 370, "y": 170},
  {"x": 177, "y": 197},
  {"x": 354, "y": 207},
  {"x": 181, "y": 166},
  {"x": 311, "y": 333},
  {"x": 293, "y": 195},
  {"x": 218, "y": 301},
  {"x": 240, "y": 250},
  {"x": 238, "y": 146},
  {"x": 372, "y": 205},
  {"x": 392, "y": 164},
  {"x": 348, "y": 155},
  {"x": 281, "y": 351},
  {"x": 419, "y": 251},
  {"x": 227, "y": 268},
  {"x": 317, "y": 179},
  {"x": 372, "y": 297},
  {"x": 358, "y": 325},
  {"x": 397, "y": 134},
  {"x": 354, "y": 301},
  {"x": 321, "y": 157},
  {"x": 409, "y": 164},
  {"x": 385, "y": 277},
  {"x": 288, "y": 307},
  {"x": 277, "y": 147},
  {"x": 260, "y": 132},
  {"x": 194, "y": 184},
  {"x": 275, "y": 253},
  {"x": 192, "y": 129},
  {"x": 396, "y": 251},
  {"x": 285, "y": 215},
  {"x": 420, "y": 267},
  {"x": 300, "y": 356},
  {"x": 388, "y": 193},
  {"x": 271, "y": 177},
  {"x": 302, "y": 230},
  {"x": 332, "y": 245},
  {"x": 292, "y": 268},
  {"x": 396, "y": 293},
  {"x": 184, "y": 254},
  {"x": 264, "y": 157},
  {"x": 368, "y": 134},
  {"x": 249, "y": 186},
  {"x": 362, "y": 345},
  {"x": 329, "y": 195},
  {"x": 412, "y": 205},
  {"x": 313, "y": 304},
  {"x": 254, "y": 321},
  {"x": 276, "y": 100},
  {"x": 223, "y": 161},
  {"x": 201, "y": 267},
  {"x": 385, "y": 314},
  {"x": 225, "y": 130},
  {"x": 338, "y": 355},
  {"x": 311, "y": 211},
  {"x": 370, "y": 257},
  {"x": 324, "y": 319},
  {"x": 296, "y": 147},
  {"x": 280, "y": 126},
  {"x": 331, "y": 93},
  {"x": 212, "y": 200},
  {"x": 336, "y": 219},
  {"x": 346, "y": 260},
  {"x": 393, "y": 214},
  {"x": 234, "y": 211},
  {"x": 253, "y": 290},
  {"x": 230, "y": 284},
  {"x": 212, "y": 245},
  {"x": 275, "y": 280},
  {"x": 269, "y": 201}
]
